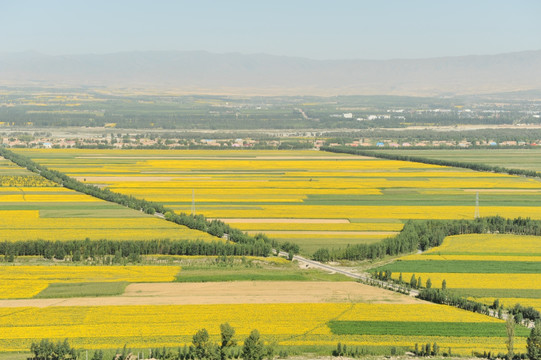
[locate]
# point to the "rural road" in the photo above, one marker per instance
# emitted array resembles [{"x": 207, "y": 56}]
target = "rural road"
[
  {"x": 368, "y": 279},
  {"x": 350, "y": 274}
]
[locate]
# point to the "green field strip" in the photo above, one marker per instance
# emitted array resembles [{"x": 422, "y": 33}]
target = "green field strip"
[
  {"x": 225, "y": 202},
  {"x": 86, "y": 289},
  {"x": 122, "y": 213},
  {"x": 30, "y": 192},
  {"x": 234, "y": 273},
  {"x": 464, "y": 267},
  {"x": 528, "y": 159},
  {"x": 413, "y": 328},
  {"x": 391, "y": 198},
  {"x": 86, "y": 206},
  {"x": 500, "y": 293}
]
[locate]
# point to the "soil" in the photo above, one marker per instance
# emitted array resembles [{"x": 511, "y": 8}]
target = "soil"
[{"x": 240, "y": 292}]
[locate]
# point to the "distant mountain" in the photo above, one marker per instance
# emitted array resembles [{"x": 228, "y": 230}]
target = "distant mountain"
[{"x": 233, "y": 73}]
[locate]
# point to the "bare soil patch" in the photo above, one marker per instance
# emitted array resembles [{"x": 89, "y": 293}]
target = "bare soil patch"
[{"x": 241, "y": 292}]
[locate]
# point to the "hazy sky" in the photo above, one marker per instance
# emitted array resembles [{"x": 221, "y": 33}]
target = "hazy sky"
[{"x": 331, "y": 29}]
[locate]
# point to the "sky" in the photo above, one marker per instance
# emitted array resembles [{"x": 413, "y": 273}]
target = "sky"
[{"x": 316, "y": 29}]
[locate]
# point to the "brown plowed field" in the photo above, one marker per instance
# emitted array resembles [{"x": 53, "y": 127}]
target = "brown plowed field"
[{"x": 240, "y": 292}]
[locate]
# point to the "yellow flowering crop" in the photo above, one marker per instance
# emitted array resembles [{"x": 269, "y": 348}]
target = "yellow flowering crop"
[
  {"x": 444, "y": 257},
  {"x": 28, "y": 281},
  {"x": 412, "y": 312},
  {"x": 287, "y": 324},
  {"x": 479, "y": 281},
  {"x": 489, "y": 244}
]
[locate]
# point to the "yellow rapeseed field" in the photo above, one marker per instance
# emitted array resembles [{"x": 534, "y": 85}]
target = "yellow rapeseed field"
[
  {"x": 27, "y": 225},
  {"x": 254, "y": 226},
  {"x": 253, "y": 185},
  {"x": 27, "y": 281},
  {"x": 286, "y": 324},
  {"x": 412, "y": 312},
  {"x": 496, "y": 244},
  {"x": 446, "y": 257}
]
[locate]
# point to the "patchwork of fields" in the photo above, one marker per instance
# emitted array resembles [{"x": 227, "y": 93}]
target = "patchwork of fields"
[
  {"x": 483, "y": 267},
  {"x": 33, "y": 208},
  {"x": 526, "y": 158},
  {"x": 286, "y": 324},
  {"x": 28, "y": 281},
  {"x": 310, "y": 198}
]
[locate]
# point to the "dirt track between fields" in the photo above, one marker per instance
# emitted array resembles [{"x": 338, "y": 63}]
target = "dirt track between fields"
[{"x": 240, "y": 292}]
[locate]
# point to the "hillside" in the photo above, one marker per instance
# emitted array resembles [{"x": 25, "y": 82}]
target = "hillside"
[{"x": 234, "y": 73}]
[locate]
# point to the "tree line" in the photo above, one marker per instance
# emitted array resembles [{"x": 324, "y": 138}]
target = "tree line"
[
  {"x": 259, "y": 244},
  {"x": 122, "y": 251},
  {"x": 424, "y": 160},
  {"x": 424, "y": 234},
  {"x": 201, "y": 348}
]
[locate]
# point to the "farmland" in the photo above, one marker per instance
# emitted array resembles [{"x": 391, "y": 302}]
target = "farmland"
[
  {"x": 286, "y": 324},
  {"x": 310, "y": 198},
  {"x": 483, "y": 267},
  {"x": 27, "y": 281},
  {"x": 527, "y": 159},
  {"x": 33, "y": 208}
]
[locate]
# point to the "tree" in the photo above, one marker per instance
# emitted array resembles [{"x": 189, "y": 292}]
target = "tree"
[
  {"x": 533, "y": 343},
  {"x": 202, "y": 344},
  {"x": 510, "y": 328},
  {"x": 413, "y": 281},
  {"x": 322, "y": 255},
  {"x": 519, "y": 317},
  {"x": 46, "y": 349},
  {"x": 227, "y": 334},
  {"x": 444, "y": 285},
  {"x": 427, "y": 349},
  {"x": 435, "y": 349},
  {"x": 98, "y": 355},
  {"x": 428, "y": 283},
  {"x": 253, "y": 348}
]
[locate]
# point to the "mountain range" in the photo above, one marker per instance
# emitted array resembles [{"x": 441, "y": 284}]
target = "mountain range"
[{"x": 262, "y": 74}]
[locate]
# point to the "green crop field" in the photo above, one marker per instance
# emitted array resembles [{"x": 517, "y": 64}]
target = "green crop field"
[
  {"x": 415, "y": 328},
  {"x": 495, "y": 266},
  {"x": 466, "y": 266},
  {"x": 527, "y": 159},
  {"x": 92, "y": 289}
]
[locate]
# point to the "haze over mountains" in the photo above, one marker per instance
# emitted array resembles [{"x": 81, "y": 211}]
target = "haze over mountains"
[{"x": 260, "y": 74}]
